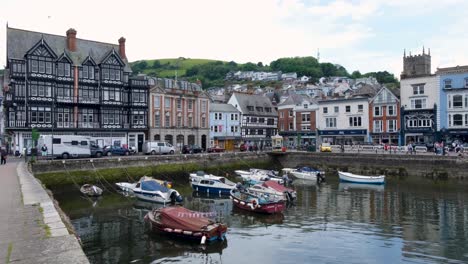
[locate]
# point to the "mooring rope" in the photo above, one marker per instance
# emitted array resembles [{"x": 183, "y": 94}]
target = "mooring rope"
[{"x": 74, "y": 182}]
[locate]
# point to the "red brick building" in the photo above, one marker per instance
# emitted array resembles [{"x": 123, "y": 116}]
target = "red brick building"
[
  {"x": 297, "y": 120},
  {"x": 384, "y": 117}
]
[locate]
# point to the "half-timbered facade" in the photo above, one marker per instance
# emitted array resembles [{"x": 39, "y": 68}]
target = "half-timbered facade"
[
  {"x": 179, "y": 113},
  {"x": 65, "y": 85},
  {"x": 259, "y": 118}
]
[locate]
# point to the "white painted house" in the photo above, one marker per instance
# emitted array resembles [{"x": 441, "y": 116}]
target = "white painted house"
[
  {"x": 343, "y": 120},
  {"x": 419, "y": 95}
]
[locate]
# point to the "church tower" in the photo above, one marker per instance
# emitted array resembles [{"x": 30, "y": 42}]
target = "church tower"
[{"x": 416, "y": 65}]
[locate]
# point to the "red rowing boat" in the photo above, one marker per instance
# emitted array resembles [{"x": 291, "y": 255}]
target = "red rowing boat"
[
  {"x": 181, "y": 222},
  {"x": 256, "y": 204}
]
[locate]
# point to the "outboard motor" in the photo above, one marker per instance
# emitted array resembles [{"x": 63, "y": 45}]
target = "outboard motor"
[{"x": 320, "y": 178}]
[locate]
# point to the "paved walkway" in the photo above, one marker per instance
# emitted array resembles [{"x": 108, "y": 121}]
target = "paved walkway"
[{"x": 31, "y": 230}]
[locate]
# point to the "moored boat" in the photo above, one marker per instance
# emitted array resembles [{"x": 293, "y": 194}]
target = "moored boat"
[
  {"x": 211, "y": 184},
  {"x": 181, "y": 222},
  {"x": 289, "y": 193},
  {"x": 91, "y": 190},
  {"x": 355, "y": 178},
  {"x": 305, "y": 173},
  {"x": 252, "y": 203},
  {"x": 152, "y": 190}
]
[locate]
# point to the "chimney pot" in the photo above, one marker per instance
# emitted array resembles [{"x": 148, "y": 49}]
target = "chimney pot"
[
  {"x": 71, "y": 39},
  {"x": 122, "y": 48}
]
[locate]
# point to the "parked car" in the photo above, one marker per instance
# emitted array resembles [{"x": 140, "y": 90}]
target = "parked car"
[
  {"x": 243, "y": 147},
  {"x": 186, "y": 149},
  {"x": 114, "y": 150},
  {"x": 154, "y": 147},
  {"x": 96, "y": 151},
  {"x": 215, "y": 149},
  {"x": 325, "y": 147}
]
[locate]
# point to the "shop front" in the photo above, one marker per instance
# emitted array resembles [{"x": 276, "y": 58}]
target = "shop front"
[{"x": 345, "y": 137}]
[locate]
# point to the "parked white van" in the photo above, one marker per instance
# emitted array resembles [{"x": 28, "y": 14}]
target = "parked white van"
[
  {"x": 67, "y": 146},
  {"x": 153, "y": 148}
]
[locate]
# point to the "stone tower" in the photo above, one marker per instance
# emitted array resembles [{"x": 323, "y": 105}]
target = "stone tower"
[{"x": 416, "y": 65}]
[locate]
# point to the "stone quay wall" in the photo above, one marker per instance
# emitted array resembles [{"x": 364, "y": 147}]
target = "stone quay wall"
[
  {"x": 204, "y": 160},
  {"x": 393, "y": 165}
]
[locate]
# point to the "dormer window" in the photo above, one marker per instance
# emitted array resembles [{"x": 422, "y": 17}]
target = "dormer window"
[
  {"x": 250, "y": 108},
  {"x": 259, "y": 109},
  {"x": 447, "y": 84},
  {"x": 87, "y": 72},
  {"x": 63, "y": 69}
]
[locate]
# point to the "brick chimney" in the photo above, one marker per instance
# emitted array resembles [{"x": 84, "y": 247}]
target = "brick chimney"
[
  {"x": 71, "y": 39},
  {"x": 122, "y": 48}
]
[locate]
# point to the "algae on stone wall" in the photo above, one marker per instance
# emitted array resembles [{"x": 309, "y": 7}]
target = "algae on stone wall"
[{"x": 170, "y": 171}]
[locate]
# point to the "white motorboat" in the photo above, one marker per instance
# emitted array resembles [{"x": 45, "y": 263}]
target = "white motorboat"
[
  {"x": 256, "y": 176},
  {"x": 355, "y": 178},
  {"x": 305, "y": 173},
  {"x": 151, "y": 190},
  {"x": 211, "y": 184}
]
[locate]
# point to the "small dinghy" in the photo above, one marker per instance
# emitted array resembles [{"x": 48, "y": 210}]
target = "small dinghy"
[
  {"x": 181, "y": 222},
  {"x": 91, "y": 190},
  {"x": 355, "y": 178},
  {"x": 257, "y": 204}
]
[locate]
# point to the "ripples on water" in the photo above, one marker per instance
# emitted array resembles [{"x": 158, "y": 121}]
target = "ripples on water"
[{"x": 333, "y": 223}]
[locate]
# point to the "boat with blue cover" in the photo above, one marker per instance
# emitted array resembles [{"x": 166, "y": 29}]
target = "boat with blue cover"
[
  {"x": 211, "y": 184},
  {"x": 152, "y": 190}
]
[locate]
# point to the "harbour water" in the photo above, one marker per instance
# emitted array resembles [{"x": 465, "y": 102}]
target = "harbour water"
[{"x": 331, "y": 223}]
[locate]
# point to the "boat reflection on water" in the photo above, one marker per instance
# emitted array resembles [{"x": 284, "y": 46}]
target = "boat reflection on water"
[
  {"x": 162, "y": 248},
  {"x": 346, "y": 186},
  {"x": 219, "y": 206},
  {"x": 304, "y": 183},
  {"x": 246, "y": 218}
]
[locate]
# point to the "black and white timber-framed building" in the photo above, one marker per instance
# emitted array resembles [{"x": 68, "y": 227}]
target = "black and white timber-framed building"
[
  {"x": 65, "y": 85},
  {"x": 259, "y": 118}
]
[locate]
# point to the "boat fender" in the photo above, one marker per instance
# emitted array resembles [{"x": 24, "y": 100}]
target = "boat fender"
[
  {"x": 251, "y": 206},
  {"x": 203, "y": 240},
  {"x": 189, "y": 233},
  {"x": 197, "y": 234},
  {"x": 242, "y": 203},
  {"x": 177, "y": 230},
  {"x": 235, "y": 200},
  {"x": 169, "y": 230}
]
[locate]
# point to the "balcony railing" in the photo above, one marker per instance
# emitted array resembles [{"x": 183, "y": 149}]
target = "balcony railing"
[
  {"x": 65, "y": 124},
  {"x": 88, "y": 100},
  {"x": 64, "y": 99},
  {"x": 17, "y": 123},
  {"x": 88, "y": 125}
]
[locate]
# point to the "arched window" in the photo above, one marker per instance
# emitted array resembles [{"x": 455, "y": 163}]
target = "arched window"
[
  {"x": 169, "y": 139},
  {"x": 157, "y": 137}
]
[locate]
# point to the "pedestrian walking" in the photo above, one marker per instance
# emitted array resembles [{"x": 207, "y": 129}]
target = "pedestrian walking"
[
  {"x": 4, "y": 154},
  {"x": 44, "y": 150},
  {"x": 409, "y": 149}
]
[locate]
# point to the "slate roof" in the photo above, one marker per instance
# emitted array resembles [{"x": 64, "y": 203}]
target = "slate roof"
[
  {"x": 245, "y": 100},
  {"x": 20, "y": 41},
  {"x": 225, "y": 108}
]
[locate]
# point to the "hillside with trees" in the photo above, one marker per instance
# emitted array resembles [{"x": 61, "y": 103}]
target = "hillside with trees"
[{"x": 212, "y": 72}]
